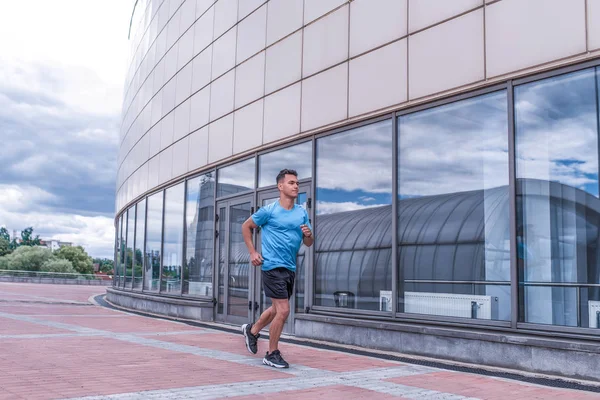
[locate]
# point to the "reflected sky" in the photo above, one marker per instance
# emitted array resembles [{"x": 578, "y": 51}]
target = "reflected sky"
[
  {"x": 154, "y": 228},
  {"x": 354, "y": 169},
  {"x": 197, "y": 202},
  {"x": 140, "y": 227},
  {"x": 557, "y": 131},
  {"x": 297, "y": 157},
  {"x": 236, "y": 178},
  {"x": 461, "y": 146},
  {"x": 130, "y": 226},
  {"x": 173, "y": 236}
]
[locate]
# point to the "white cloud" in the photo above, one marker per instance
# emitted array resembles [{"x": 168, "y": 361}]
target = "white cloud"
[
  {"x": 62, "y": 68},
  {"x": 18, "y": 197},
  {"x": 23, "y": 206},
  {"x": 85, "y": 40},
  {"x": 95, "y": 234},
  {"x": 325, "y": 207}
]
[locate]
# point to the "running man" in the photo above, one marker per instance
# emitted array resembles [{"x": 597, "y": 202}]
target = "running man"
[{"x": 285, "y": 226}]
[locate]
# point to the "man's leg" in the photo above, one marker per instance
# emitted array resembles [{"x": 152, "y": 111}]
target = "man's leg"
[
  {"x": 282, "y": 310},
  {"x": 265, "y": 319}
]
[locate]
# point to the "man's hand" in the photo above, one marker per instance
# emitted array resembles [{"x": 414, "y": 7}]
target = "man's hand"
[
  {"x": 256, "y": 258},
  {"x": 306, "y": 231}
]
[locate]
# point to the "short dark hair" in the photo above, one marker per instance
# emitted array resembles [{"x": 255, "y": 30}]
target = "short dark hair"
[{"x": 285, "y": 172}]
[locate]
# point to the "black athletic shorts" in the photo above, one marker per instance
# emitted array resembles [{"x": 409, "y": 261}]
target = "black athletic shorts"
[{"x": 278, "y": 283}]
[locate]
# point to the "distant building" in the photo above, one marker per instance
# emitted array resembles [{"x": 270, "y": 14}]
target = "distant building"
[{"x": 54, "y": 244}]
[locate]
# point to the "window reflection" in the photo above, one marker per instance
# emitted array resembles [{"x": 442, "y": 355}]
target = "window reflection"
[
  {"x": 353, "y": 226},
  {"x": 199, "y": 235},
  {"x": 120, "y": 249},
  {"x": 173, "y": 240},
  {"x": 153, "y": 241},
  {"x": 297, "y": 157},
  {"x": 140, "y": 228},
  {"x": 557, "y": 200},
  {"x": 129, "y": 249},
  {"x": 236, "y": 178},
  {"x": 453, "y": 217}
]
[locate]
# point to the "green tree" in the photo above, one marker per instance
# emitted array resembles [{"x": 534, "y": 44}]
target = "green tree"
[
  {"x": 27, "y": 238},
  {"x": 4, "y": 262},
  {"x": 12, "y": 244},
  {"x": 82, "y": 263},
  {"x": 58, "y": 265},
  {"x": 4, "y": 234},
  {"x": 106, "y": 265},
  {"x": 28, "y": 258},
  {"x": 4, "y": 246}
]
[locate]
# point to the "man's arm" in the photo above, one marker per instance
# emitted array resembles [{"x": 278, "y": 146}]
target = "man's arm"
[
  {"x": 247, "y": 227},
  {"x": 308, "y": 238}
]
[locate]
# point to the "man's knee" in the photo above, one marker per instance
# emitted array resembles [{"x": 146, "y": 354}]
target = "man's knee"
[{"x": 283, "y": 310}]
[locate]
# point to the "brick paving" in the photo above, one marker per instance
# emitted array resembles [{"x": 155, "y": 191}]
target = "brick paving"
[{"x": 55, "y": 344}]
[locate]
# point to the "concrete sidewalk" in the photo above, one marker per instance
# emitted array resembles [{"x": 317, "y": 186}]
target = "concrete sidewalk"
[{"x": 55, "y": 344}]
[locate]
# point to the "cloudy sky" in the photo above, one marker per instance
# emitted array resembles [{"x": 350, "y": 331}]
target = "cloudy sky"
[{"x": 62, "y": 69}]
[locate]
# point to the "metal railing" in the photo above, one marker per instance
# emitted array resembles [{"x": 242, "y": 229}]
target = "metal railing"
[{"x": 51, "y": 275}]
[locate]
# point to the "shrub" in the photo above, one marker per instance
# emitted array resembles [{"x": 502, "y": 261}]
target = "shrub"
[
  {"x": 28, "y": 258},
  {"x": 58, "y": 265}
]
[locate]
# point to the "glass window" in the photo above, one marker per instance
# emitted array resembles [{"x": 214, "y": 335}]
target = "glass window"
[
  {"x": 117, "y": 278},
  {"x": 353, "y": 234},
  {"x": 453, "y": 216},
  {"x": 236, "y": 178},
  {"x": 123, "y": 247},
  {"x": 153, "y": 241},
  {"x": 200, "y": 233},
  {"x": 129, "y": 250},
  {"x": 298, "y": 157},
  {"x": 140, "y": 230},
  {"x": 173, "y": 240},
  {"x": 556, "y": 122}
]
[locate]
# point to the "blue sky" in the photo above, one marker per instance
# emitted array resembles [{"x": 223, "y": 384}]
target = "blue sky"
[{"x": 61, "y": 83}]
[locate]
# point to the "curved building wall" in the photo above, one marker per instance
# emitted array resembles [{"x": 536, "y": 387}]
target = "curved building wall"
[
  {"x": 211, "y": 80},
  {"x": 430, "y": 142}
]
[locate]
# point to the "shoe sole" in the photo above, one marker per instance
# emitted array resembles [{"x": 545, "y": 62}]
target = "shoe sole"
[
  {"x": 246, "y": 339},
  {"x": 270, "y": 364}
]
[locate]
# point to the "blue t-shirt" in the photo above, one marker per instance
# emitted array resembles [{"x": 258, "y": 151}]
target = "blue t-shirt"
[{"x": 281, "y": 234}]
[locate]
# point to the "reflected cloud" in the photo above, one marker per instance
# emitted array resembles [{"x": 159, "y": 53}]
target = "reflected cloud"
[
  {"x": 324, "y": 207},
  {"x": 547, "y": 113},
  {"x": 359, "y": 159},
  {"x": 298, "y": 157},
  {"x": 236, "y": 178},
  {"x": 462, "y": 146}
]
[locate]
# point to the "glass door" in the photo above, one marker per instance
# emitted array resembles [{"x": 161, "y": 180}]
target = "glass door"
[
  {"x": 297, "y": 301},
  {"x": 233, "y": 260}
]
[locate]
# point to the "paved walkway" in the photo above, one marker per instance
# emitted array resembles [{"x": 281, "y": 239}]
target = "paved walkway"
[{"x": 55, "y": 344}]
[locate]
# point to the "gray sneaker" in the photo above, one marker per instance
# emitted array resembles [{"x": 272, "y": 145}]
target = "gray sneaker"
[
  {"x": 275, "y": 360},
  {"x": 251, "y": 340}
]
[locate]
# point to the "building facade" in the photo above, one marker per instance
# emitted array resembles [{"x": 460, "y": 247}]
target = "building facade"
[{"x": 448, "y": 155}]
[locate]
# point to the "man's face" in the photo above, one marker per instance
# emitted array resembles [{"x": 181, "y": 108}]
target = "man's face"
[{"x": 289, "y": 186}]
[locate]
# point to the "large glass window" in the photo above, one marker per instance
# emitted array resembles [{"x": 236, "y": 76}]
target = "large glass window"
[
  {"x": 120, "y": 246},
  {"x": 199, "y": 225},
  {"x": 558, "y": 211},
  {"x": 236, "y": 178},
  {"x": 453, "y": 214},
  {"x": 129, "y": 250},
  {"x": 298, "y": 157},
  {"x": 123, "y": 249},
  {"x": 140, "y": 230},
  {"x": 354, "y": 217},
  {"x": 153, "y": 241},
  {"x": 173, "y": 240}
]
